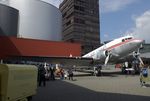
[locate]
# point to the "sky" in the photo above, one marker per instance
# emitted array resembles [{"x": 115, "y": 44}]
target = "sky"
[
  {"x": 122, "y": 17},
  {"x": 125, "y": 17}
]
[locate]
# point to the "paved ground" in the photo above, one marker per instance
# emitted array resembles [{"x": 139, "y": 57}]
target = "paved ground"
[{"x": 109, "y": 87}]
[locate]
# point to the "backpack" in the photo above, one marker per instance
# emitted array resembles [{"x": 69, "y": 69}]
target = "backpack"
[{"x": 144, "y": 72}]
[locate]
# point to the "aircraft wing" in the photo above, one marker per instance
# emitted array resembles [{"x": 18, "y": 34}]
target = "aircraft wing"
[
  {"x": 115, "y": 60},
  {"x": 123, "y": 59},
  {"x": 129, "y": 57}
]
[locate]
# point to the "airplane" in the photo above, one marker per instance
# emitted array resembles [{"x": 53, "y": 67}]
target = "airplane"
[{"x": 115, "y": 50}]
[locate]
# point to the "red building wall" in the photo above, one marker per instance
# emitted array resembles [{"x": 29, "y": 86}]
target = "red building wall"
[{"x": 11, "y": 46}]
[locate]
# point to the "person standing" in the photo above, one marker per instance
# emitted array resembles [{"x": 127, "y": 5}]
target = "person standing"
[
  {"x": 70, "y": 73},
  {"x": 143, "y": 75},
  {"x": 61, "y": 73},
  {"x": 52, "y": 70},
  {"x": 42, "y": 73},
  {"x": 65, "y": 74},
  {"x": 145, "y": 71}
]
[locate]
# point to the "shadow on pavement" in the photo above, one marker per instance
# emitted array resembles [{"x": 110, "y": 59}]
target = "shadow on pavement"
[
  {"x": 147, "y": 85},
  {"x": 63, "y": 91}
]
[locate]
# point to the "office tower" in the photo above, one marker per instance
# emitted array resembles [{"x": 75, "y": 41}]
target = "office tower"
[{"x": 81, "y": 23}]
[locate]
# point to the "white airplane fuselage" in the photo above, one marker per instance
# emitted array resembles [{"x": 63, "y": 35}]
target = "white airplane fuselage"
[{"x": 115, "y": 49}]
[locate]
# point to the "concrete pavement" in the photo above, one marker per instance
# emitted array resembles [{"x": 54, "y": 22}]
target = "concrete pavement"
[{"x": 112, "y": 87}]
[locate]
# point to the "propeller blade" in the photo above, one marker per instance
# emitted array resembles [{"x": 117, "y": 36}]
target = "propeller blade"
[
  {"x": 140, "y": 60},
  {"x": 137, "y": 56},
  {"x": 106, "y": 60}
]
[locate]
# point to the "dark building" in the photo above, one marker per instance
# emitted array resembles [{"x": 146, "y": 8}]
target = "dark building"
[{"x": 81, "y": 23}]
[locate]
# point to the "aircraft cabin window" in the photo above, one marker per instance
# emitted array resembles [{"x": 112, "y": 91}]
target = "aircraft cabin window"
[
  {"x": 129, "y": 38},
  {"x": 123, "y": 40}
]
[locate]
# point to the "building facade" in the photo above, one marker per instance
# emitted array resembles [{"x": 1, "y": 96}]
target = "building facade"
[
  {"x": 81, "y": 23},
  {"x": 19, "y": 47},
  {"x": 32, "y": 28},
  {"x": 36, "y": 19},
  {"x": 8, "y": 21}
]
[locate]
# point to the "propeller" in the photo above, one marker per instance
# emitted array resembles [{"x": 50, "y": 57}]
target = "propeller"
[
  {"x": 107, "y": 59},
  {"x": 108, "y": 55},
  {"x": 137, "y": 56},
  {"x": 140, "y": 60}
]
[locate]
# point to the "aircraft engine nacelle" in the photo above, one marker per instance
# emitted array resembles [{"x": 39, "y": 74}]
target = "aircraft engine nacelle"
[
  {"x": 103, "y": 54},
  {"x": 106, "y": 53}
]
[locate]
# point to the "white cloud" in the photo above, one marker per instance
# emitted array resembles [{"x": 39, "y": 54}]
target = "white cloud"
[
  {"x": 142, "y": 27},
  {"x": 54, "y": 2},
  {"x": 114, "y": 5}
]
